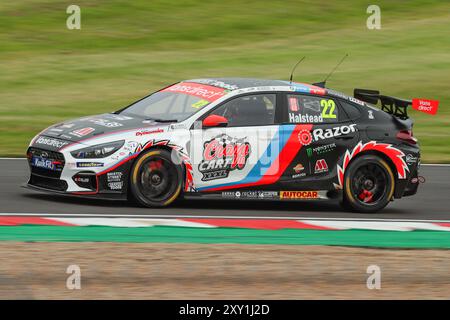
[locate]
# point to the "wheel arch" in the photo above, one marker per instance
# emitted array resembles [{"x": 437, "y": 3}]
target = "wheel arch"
[
  {"x": 389, "y": 153},
  {"x": 383, "y": 156},
  {"x": 349, "y": 199},
  {"x": 168, "y": 149}
]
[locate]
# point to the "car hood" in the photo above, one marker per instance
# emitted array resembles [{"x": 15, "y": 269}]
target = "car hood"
[{"x": 81, "y": 129}]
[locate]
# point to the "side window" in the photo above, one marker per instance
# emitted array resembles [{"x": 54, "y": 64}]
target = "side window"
[
  {"x": 250, "y": 110},
  {"x": 351, "y": 110},
  {"x": 311, "y": 109}
]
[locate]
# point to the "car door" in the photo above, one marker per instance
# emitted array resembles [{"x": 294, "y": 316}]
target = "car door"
[
  {"x": 325, "y": 133},
  {"x": 241, "y": 154}
]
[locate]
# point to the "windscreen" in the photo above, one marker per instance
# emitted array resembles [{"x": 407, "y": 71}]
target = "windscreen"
[{"x": 175, "y": 103}]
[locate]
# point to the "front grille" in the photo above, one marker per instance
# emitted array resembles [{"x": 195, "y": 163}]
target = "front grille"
[
  {"x": 57, "y": 159},
  {"x": 48, "y": 183}
]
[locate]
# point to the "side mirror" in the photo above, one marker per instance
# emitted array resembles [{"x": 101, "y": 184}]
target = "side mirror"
[{"x": 214, "y": 120}]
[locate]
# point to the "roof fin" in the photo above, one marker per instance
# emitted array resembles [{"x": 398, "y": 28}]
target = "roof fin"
[
  {"x": 324, "y": 82},
  {"x": 293, "y": 69}
]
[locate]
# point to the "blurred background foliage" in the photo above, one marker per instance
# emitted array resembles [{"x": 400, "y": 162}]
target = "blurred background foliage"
[{"x": 127, "y": 49}]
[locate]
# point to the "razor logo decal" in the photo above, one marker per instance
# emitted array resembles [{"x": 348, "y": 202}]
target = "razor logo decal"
[
  {"x": 305, "y": 137},
  {"x": 321, "y": 134},
  {"x": 396, "y": 156},
  {"x": 223, "y": 154}
]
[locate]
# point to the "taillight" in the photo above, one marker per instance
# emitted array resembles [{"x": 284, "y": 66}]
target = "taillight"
[{"x": 406, "y": 136}]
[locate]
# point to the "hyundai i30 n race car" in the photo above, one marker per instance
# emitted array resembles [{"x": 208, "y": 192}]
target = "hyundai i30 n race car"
[{"x": 235, "y": 138}]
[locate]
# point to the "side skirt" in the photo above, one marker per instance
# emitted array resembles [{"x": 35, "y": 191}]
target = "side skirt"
[{"x": 266, "y": 195}]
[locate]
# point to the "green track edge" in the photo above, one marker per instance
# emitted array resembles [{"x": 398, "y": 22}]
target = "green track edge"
[{"x": 420, "y": 239}]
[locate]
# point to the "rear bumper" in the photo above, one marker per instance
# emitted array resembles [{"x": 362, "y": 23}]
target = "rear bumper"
[
  {"x": 411, "y": 188},
  {"x": 410, "y": 185}
]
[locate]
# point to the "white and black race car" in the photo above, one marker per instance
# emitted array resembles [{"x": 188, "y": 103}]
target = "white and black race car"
[{"x": 235, "y": 138}]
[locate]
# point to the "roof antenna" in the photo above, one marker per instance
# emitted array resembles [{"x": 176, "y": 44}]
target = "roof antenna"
[
  {"x": 293, "y": 69},
  {"x": 323, "y": 83}
]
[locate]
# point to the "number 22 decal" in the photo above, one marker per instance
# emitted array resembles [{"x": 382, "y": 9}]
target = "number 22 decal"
[{"x": 328, "y": 109}]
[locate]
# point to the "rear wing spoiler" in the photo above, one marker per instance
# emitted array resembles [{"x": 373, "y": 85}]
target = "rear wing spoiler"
[{"x": 391, "y": 105}]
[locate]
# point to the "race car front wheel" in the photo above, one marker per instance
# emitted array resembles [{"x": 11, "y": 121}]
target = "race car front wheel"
[
  {"x": 155, "y": 181},
  {"x": 368, "y": 184}
]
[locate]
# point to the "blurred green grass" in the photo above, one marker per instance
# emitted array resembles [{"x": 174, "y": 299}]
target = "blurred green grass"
[{"x": 127, "y": 49}]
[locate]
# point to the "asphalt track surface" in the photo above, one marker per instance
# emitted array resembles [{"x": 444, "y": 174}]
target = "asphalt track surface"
[{"x": 432, "y": 202}]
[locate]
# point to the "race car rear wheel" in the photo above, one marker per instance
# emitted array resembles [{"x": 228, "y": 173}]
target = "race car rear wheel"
[
  {"x": 155, "y": 181},
  {"x": 368, "y": 184}
]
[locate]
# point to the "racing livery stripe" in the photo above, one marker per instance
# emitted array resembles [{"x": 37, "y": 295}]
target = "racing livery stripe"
[
  {"x": 261, "y": 224},
  {"x": 17, "y": 221},
  {"x": 290, "y": 146},
  {"x": 307, "y": 88},
  {"x": 102, "y": 135},
  {"x": 118, "y": 164},
  {"x": 444, "y": 224},
  {"x": 133, "y": 223}
]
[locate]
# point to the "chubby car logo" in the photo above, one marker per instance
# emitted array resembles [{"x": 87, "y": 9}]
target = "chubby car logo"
[{"x": 223, "y": 154}]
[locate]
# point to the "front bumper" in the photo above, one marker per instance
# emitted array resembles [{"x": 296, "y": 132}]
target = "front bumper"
[
  {"x": 47, "y": 178},
  {"x": 67, "y": 177},
  {"x": 99, "y": 196}
]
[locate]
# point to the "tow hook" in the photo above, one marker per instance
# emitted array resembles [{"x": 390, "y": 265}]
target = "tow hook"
[{"x": 419, "y": 179}]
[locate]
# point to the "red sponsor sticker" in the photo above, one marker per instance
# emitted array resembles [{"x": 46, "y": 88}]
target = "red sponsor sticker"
[
  {"x": 321, "y": 166},
  {"x": 316, "y": 90},
  {"x": 293, "y": 104},
  {"x": 202, "y": 91},
  {"x": 425, "y": 105},
  {"x": 82, "y": 132}
]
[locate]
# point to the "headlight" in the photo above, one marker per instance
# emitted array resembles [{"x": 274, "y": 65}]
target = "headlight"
[{"x": 98, "y": 151}]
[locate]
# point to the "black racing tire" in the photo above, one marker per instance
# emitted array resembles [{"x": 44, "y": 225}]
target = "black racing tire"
[
  {"x": 369, "y": 184},
  {"x": 155, "y": 181}
]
